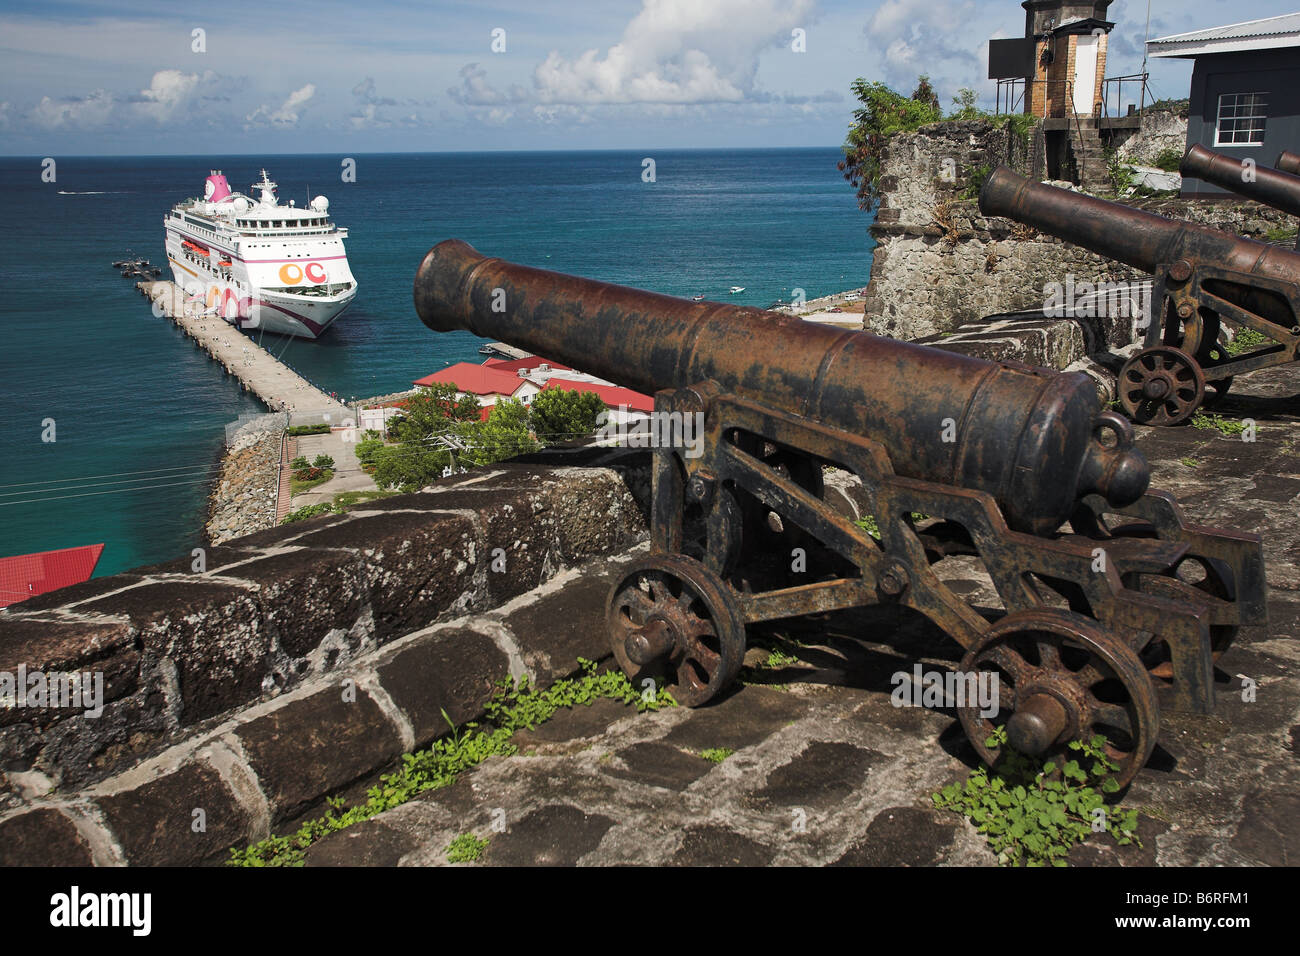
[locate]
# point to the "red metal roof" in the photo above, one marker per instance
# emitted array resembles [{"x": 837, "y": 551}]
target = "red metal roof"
[
  {"x": 531, "y": 362},
  {"x": 27, "y": 575},
  {"x": 611, "y": 395},
  {"x": 476, "y": 379}
]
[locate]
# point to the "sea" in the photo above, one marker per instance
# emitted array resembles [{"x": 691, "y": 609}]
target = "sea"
[{"x": 113, "y": 421}]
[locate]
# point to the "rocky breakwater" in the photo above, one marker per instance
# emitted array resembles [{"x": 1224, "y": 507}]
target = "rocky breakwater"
[{"x": 245, "y": 496}]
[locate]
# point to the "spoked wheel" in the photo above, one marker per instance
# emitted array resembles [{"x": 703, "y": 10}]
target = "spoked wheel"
[
  {"x": 1210, "y": 350},
  {"x": 1060, "y": 678},
  {"x": 1208, "y": 575},
  {"x": 1161, "y": 385},
  {"x": 671, "y": 618}
]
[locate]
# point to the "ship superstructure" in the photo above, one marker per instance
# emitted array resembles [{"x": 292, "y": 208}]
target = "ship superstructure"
[{"x": 257, "y": 263}]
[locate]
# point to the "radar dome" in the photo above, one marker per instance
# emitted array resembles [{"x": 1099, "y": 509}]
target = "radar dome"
[
  {"x": 320, "y": 204},
  {"x": 242, "y": 205}
]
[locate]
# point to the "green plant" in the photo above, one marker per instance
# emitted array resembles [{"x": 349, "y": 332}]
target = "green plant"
[
  {"x": 300, "y": 463},
  {"x": 514, "y": 706},
  {"x": 1034, "y": 814},
  {"x": 977, "y": 177},
  {"x": 366, "y": 450},
  {"x": 309, "y": 511},
  {"x": 1225, "y": 426},
  {"x": 716, "y": 754},
  {"x": 466, "y": 848},
  {"x": 1247, "y": 340},
  {"x": 321, "y": 429},
  {"x": 559, "y": 414},
  {"x": 323, "y": 462},
  {"x": 1169, "y": 160},
  {"x": 882, "y": 114},
  {"x": 1279, "y": 234},
  {"x": 779, "y": 658},
  {"x": 1121, "y": 175},
  {"x": 1189, "y": 462}
]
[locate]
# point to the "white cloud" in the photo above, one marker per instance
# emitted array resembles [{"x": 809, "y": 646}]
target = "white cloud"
[
  {"x": 76, "y": 112},
  {"x": 288, "y": 113},
  {"x": 168, "y": 91},
  {"x": 676, "y": 51},
  {"x": 933, "y": 37},
  {"x": 474, "y": 89}
]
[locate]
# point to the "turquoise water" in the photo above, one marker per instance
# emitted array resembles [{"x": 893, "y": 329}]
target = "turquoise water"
[{"x": 129, "y": 393}]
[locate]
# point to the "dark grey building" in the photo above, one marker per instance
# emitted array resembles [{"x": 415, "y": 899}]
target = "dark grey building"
[{"x": 1245, "y": 96}]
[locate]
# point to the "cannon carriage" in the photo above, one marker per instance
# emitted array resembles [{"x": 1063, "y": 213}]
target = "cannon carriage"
[
  {"x": 1114, "y": 602},
  {"x": 1204, "y": 280}
]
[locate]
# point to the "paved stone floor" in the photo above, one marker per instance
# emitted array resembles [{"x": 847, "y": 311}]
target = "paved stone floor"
[{"x": 826, "y": 771}]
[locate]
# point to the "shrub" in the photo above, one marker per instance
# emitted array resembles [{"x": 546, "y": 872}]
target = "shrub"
[
  {"x": 324, "y": 462},
  {"x": 367, "y": 448},
  {"x": 299, "y": 463},
  {"x": 560, "y": 415}
]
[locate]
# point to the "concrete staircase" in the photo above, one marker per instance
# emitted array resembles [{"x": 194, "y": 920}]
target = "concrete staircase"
[{"x": 1089, "y": 157}]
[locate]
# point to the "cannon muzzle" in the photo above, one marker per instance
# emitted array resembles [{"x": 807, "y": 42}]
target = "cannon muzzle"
[
  {"x": 1132, "y": 236},
  {"x": 1275, "y": 188},
  {"x": 1034, "y": 439},
  {"x": 1288, "y": 162}
]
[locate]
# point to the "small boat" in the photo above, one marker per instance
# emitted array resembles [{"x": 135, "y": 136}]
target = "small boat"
[
  {"x": 736, "y": 289},
  {"x": 697, "y": 298}
]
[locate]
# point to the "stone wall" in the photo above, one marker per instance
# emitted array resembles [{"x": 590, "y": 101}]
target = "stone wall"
[
  {"x": 1161, "y": 130},
  {"x": 179, "y": 651},
  {"x": 939, "y": 264}
]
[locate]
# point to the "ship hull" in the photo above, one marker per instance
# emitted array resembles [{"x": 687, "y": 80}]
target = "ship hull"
[{"x": 255, "y": 310}]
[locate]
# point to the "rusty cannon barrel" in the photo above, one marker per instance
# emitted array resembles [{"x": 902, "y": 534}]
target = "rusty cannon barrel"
[
  {"x": 1036, "y": 440},
  {"x": 1288, "y": 162},
  {"x": 1275, "y": 188},
  {"x": 1132, "y": 236}
]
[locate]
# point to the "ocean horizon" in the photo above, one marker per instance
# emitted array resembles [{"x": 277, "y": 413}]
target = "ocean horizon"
[{"x": 138, "y": 411}]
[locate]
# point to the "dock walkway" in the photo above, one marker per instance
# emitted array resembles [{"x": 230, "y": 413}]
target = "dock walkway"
[{"x": 277, "y": 386}]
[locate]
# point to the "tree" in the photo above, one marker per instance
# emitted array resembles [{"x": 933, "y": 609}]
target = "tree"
[
  {"x": 324, "y": 462},
  {"x": 964, "y": 102},
  {"x": 504, "y": 435},
  {"x": 562, "y": 414},
  {"x": 924, "y": 93},
  {"x": 882, "y": 114},
  {"x": 432, "y": 411},
  {"x": 409, "y": 467}
]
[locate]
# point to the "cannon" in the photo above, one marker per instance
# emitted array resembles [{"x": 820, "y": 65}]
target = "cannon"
[
  {"x": 1273, "y": 187},
  {"x": 1204, "y": 279},
  {"x": 1288, "y": 162},
  {"x": 1112, "y": 599}
]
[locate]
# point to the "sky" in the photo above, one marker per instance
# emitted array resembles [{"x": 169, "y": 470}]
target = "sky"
[{"x": 162, "y": 77}]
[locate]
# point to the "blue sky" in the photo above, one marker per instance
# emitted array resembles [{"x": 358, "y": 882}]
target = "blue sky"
[{"x": 393, "y": 75}]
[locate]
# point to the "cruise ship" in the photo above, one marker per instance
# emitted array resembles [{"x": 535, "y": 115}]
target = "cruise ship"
[{"x": 257, "y": 263}]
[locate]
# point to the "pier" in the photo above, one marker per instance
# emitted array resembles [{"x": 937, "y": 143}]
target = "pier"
[{"x": 277, "y": 386}]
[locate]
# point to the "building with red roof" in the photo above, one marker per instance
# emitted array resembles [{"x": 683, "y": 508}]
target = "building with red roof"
[
  {"x": 487, "y": 383},
  {"x": 27, "y": 575}
]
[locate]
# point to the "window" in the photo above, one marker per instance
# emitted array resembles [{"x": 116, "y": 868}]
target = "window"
[{"x": 1241, "y": 119}]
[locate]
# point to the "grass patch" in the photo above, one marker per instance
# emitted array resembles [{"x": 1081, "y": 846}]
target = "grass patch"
[
  {"x": 1189, "y": 462},
  {"x": 298, "y": 485},
  {"x": 350, "y": 499},
  {"x": 514, "y": 706},
  {"x": 1225, "y": 426},
  {"x": 466, "y": 848},
  {"x": 1033, "y": 814},
  {"x": 1281, "y": 234},
  {"x": 716, "y": 754}
]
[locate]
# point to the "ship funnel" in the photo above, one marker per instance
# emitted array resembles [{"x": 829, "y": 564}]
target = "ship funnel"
[{"x": 216, "y": 189}]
